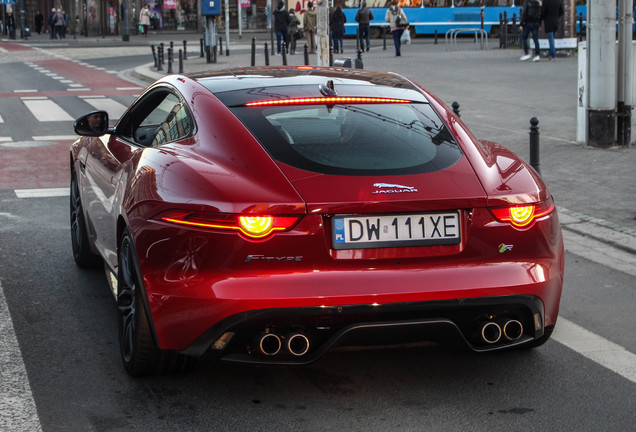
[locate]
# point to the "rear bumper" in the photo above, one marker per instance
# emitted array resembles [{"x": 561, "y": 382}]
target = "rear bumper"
[{"x": 456, "y": 322}]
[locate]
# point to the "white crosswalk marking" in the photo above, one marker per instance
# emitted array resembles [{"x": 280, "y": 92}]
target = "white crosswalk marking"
[
  {"x": 1, "y": 119},
  {"x": 46, "y": 110},
  {"x": 112, "y": 107}
]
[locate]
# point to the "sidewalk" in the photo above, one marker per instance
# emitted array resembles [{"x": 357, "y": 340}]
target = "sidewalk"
[{"x": 595, "y": 189}]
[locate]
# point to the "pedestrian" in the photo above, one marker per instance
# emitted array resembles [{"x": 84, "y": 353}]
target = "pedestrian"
[
  {"x": 310, "y": 23},
  {"x": 337, "y": 24},
  {"x": 144, "y": 19},
  {"x": 364, "y": 16},
  {"x": 51, "y": 22},
  {"x": 397, "y": 20},
  {"x": 59, "y": 24},
  {"x": 281, "y": 26},
  {"x": 65, "y": 26},
  {"x": 39, "y": 20},
  {"x": 294, "y": 22},
  {"x": 10, "y": 23},
  {"x": 551, "y": 13},
  {"x": 529, "y": 23}
]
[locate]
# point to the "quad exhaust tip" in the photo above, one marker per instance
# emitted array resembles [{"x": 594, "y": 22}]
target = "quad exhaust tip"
[
  {"x": 491, "y": 331},
  {"x": 271, "y": 344}
]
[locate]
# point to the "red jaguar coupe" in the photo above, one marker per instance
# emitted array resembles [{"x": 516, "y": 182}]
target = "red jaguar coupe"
[{"x": 266, "y": 215}]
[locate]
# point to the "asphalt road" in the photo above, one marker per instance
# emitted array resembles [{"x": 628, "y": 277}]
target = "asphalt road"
[{"x": 64, "y": 321}]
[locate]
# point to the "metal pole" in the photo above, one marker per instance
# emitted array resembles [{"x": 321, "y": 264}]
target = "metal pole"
[
  {"x": 323, "y": 33},
  {"x": 625, "y": 78},
  {"x": 266, "y": 55},
  {"x": 125, "y": 29},
  {"x": 227, "y": 27},
  {"x": 601, "y": 42},
  {"x": 240, "y": 20}
]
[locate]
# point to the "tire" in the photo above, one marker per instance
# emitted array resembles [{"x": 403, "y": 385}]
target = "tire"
[
  {"x": 139, "y": 352},
  {"x": 82, "y": 253}
]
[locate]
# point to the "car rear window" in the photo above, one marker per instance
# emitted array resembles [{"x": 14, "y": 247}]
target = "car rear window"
[{"x": 364, "y": 139}]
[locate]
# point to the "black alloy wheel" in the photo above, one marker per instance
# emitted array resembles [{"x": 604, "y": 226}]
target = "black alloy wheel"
[
  {"x": 82, "y": 253},
  {"x": 139, "y": 353}
]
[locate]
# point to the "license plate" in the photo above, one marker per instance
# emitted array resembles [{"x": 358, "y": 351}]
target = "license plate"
[{"x": 379, "y": 231}]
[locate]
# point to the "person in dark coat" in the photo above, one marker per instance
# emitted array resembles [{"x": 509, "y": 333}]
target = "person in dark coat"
[
  {"x": 10, "y": 22},
  {"x": 281, "y": 25},
  {"x": 551, "y": 13},
  {"x": 39, "y": 20},
  {"x": 337, "y": 24}
]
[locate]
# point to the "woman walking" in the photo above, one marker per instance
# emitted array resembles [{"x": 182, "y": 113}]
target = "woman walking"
[
  {"x": 397, "y": 20},
  {"x": 144, "y": 19}
]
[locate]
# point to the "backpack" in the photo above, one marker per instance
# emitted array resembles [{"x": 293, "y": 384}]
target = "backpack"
[{"x": 533, "y": 13}]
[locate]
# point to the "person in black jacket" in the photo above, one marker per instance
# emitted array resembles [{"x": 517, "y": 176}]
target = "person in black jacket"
[
  {"x": 551, "y": 13},
  {"x": 281, "y": 25},
  {"x": 337, "y": 24},
  {"x": 529, "y": 23}
]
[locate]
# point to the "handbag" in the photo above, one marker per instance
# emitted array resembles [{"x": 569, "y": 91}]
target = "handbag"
[
  {"x": 141, "y": 28},
  {"x": 401, "y": 22}
]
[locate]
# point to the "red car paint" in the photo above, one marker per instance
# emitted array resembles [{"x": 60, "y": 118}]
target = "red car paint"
[{"x": 199, "y": 283}]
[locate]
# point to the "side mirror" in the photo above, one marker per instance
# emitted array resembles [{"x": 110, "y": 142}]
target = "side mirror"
[{"x": 92, "y": 124}]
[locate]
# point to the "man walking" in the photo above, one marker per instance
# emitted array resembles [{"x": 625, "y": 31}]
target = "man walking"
[
  {"x": 529, "y": 23},
  {"x": 363, "y": 17},
  {"x": 551, "y": 13}
]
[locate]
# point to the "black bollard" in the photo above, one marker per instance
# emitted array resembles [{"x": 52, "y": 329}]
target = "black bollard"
[
  {"x": 384, "y": 38},
  {"x": 435, "y": 43},
  {"x": 163, "y": 51},
  {"x": 185, "y": 49},
  {"x": 284, "y": 53},
  {"x": 358, "y": 61},
  {"x": 202, "y": 53},
  {"x": 306, "y": 53},
  {"x": 253, "y": 63},
  {"x": 357, "y": 39},
  {"x": 169, "y": 71},
  {"x": 220, "y": 45},
  {"x": 534, "y": 144},
  {"x": 330, "y": 56},
  {"x": 455, "y": 106},
  {"x": 180, "y": 61},
  {"x": 266, "y": 55},
  {"x": 160, "y": 57},
  {"x": 154, "y": 54}
]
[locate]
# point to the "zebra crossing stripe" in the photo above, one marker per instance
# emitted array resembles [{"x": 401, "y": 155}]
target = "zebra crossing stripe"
[
  {"x": 42, "y": 192},
  {"x": 111, "y": 106},
  {"x": 46, "y": 110}
]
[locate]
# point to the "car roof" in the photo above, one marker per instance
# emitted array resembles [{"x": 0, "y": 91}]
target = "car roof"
[{"x": 305, "y": 81}]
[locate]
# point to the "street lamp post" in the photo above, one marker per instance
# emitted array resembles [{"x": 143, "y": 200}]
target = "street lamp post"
[{"x": 125, "y": 30}]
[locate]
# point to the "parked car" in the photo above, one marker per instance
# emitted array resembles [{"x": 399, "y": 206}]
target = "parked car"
[{"x": 266, "y": 215}]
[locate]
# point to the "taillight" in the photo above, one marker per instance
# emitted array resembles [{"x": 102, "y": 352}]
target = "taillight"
[
  {"x": 523, "y": 215},
  {"x": 256, "y": 227},
  {"x": 329, "y": 100}
]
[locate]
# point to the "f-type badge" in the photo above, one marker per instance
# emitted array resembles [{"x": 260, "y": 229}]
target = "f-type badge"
[{"x": 392, "y": 188}]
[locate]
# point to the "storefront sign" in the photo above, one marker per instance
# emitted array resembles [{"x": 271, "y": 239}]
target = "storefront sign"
[
  {"x": 245, "y": 3},
  {"x": 169, "y": 4}
]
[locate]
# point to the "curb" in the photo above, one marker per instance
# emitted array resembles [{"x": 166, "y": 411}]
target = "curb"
[{"x": 601, "y": 230}]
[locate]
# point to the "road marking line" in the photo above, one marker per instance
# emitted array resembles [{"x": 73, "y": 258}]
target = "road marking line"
[
  {"x": 76, "y": 85},
  {"x": 6, "y": 139},
  {"x": 25, "y": 91},
  {"x": 78, "y": 89},
  {"x": 1, "y": 119},
  {"x": 596, "y": 348},
  {"x": 55, "y": 138},
  {"x": 46, "y": 110},
  {"x": 128, "y": 88},
  {"x": 42, "y": 193},
  {"x": 17, "y": 406}
]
